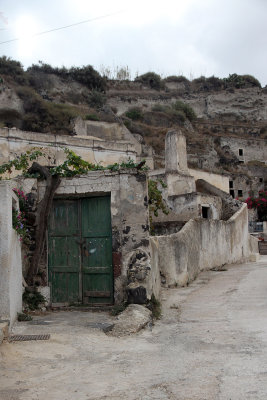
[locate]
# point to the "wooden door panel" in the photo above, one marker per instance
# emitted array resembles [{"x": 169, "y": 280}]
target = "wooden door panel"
[
  {"x": 64, "y": 252},
  {"x": 64, "y": 219},
  {"x": 96, "y": 218},
  {"x": 65, "y": 287},
  {"x": 97, "y": 251},
  {"x": 80, "y": 251}
]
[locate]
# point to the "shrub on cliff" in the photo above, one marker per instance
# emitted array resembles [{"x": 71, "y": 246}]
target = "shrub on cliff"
[
  {"x": 96, "y": 99},
  {"x": 241, "y": 81},
  {"x": 150, "y": 79},
  {"x": 45, "y": 116},
  {"x": 178, "y": 79},
  {"x": 179, "y": 106},
  {"x": 13, "y": 68},
  {"x": 85, "y": 75},
  {"x": 134, "y": 113}
]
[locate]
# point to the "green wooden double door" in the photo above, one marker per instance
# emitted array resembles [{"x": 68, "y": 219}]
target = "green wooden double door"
[{"x": 80, "y": 251}]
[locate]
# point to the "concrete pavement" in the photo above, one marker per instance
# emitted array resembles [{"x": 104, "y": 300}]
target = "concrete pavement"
[{"x": 211, "y": 343}]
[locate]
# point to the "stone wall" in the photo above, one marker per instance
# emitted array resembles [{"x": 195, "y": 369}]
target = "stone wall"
[
  {"x": 10, "y": 258},
  {"x": 217, "y": 180},
  {"x": 130, "y": 226},
  {"x": 204, "y": 244},
  {"x": 15, "y": 142},
  {"x": 253, "y": 149}
]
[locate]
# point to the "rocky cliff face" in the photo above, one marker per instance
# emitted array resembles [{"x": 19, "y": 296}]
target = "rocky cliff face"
[{"x": 46, "y": 102}]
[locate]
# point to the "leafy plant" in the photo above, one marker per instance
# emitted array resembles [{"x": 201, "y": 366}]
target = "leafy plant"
[
  {"x": 13, "y": 68},
  {"x": 18, "y": 223},
  {"x": 96, "y": 99},
  {"x": 185, "y": 108},
  {"x": 128, "y": 124},
  {"x": 20, "y": 163},
  {"x": 260, "y": 204},
  {"x": 86, "y": 75},
  {"x": 92, "y": 117},
  {"x": 22, "y": 198},
  {"x": 33, "y": 299},
  {"x": 45, "y": 116},
  {"x": 155, "y": 307},
  {"x": 72, "y": 166},
  {"x": 239, "y": 81},
  {"x": 151, "y": 79},
  {"x": 24, "y": 317},
  {"x": 134, "y": 113},
  {"x": 156, "y": 201}
]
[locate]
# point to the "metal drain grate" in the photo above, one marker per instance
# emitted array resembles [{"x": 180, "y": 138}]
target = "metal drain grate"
[{"x": 23, "y": 338}]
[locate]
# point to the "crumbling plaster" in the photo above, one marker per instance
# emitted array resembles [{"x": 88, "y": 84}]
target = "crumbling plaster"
[
  {"x": 15, "y": 142},
  {"x": 10, "y": 257},
  {"x": 204, "y": 244}
]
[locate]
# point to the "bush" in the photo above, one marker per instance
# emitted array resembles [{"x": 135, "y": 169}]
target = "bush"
[
  {"x": 185, "y": 108},
  {"x": 12, "y": 68},
  {"x": 178, "y": 115},
  {"x": 44, "y": 116},
  {"x": 178, "y": 79},
  {"x": 92, "y": 117},
  {"x": 128, "y": 124},
  {"x": 155, "y": 307},
  {"x": 85, "y": 75},
  {"x": 134, "y": 113},
  {"x": 241, "y": 81},
  {"x": 151, "y": 79},
  {"x": 33, "y": 299},
  {"x": 96, "y": 99}
]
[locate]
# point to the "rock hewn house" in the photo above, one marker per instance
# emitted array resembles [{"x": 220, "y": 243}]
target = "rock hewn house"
[{"x": 98, "y": 248}]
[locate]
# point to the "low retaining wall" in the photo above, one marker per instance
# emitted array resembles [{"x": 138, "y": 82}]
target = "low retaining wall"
[{"x": 204, "y": 244}]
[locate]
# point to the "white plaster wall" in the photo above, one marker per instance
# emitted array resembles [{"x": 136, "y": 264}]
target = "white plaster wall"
[
  {"x": 204, "y": 244},
  {"x": 217, "y": 180},
  {"x": 15, "y": 280},
  {"x": 10, "y": 258},
  {"x": 15, "y": 142}
]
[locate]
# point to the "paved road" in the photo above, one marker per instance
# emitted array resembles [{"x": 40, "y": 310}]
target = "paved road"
[{"x": 210, "y": 344}]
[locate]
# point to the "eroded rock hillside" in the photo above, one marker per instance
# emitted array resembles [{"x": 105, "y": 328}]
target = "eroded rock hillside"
[{"x": 220, "y": 117}]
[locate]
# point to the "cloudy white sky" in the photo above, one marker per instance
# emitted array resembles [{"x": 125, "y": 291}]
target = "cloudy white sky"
[{"x": 170, "y": 37}]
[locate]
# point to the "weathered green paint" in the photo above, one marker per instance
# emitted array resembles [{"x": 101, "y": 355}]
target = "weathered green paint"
[{"x": 80, "y": 251}]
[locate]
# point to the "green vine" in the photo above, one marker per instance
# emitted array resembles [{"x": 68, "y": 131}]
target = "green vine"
[
  {"x": 72, "y": 166},
  {"x": 156, "y": 201},
  {"x": 20, "y": 163}
]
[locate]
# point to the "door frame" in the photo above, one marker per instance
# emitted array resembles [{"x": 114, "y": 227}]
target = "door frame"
[{"x": 79, "y": 198}]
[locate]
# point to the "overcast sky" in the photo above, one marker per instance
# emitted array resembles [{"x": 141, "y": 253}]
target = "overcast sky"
[{"x": 170, "y": 37}]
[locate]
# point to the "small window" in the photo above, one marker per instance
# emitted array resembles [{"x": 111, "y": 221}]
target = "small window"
[
  {"x": 205, "y": 212},
  {"x": 261, "y": 180},
  {"x": 240, "y": 193},
  {"x": 231, "y": 184},
  {"x": 240, "y": 152},
  {"x": 232, "y": 193}
]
